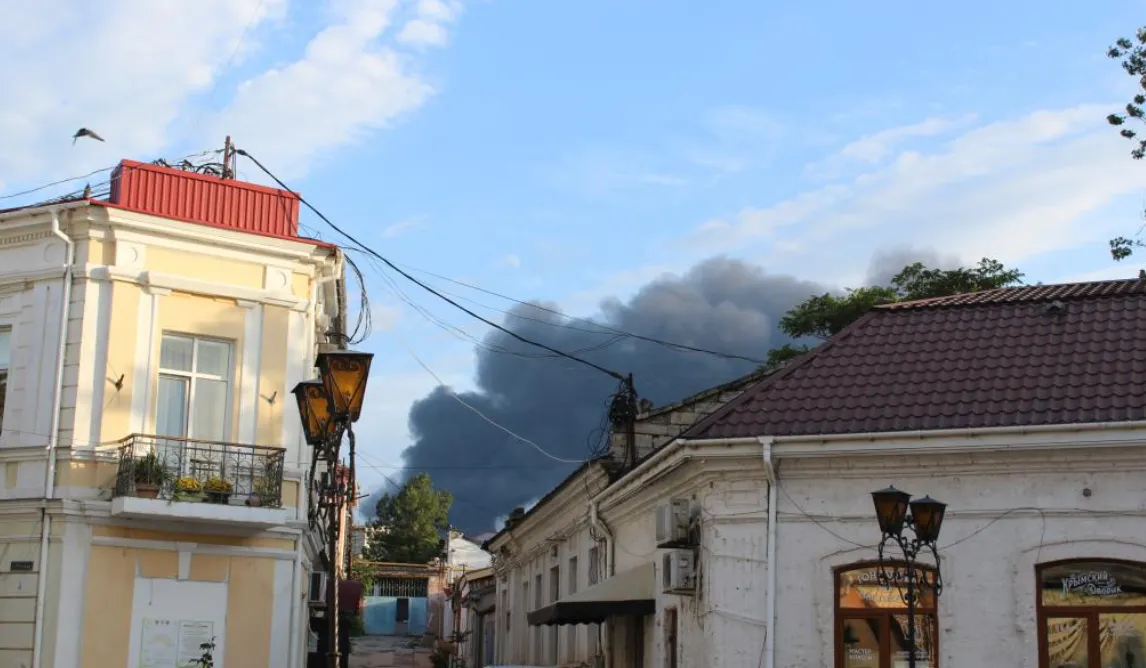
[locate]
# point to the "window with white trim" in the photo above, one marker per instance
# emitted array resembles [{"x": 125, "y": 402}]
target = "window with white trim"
[
  {"x": 5, "y": 362},
  {"x": 194, "y": 395}
]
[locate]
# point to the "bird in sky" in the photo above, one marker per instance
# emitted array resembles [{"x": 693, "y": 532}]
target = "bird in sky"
[{"x": 84, "y": 132}]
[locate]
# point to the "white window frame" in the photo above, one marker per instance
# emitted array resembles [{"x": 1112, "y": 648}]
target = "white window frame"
[
  {"x": 6, "y": 370},
  {"x": 192, "y": 376}
]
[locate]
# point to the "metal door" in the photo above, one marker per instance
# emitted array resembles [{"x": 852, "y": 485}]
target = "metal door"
[{"x": 380, "y": 613}]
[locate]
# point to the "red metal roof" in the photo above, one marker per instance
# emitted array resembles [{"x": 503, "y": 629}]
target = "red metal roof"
[
  {"x": 1034, "y": 355},
  {"x": 183, "y": 195}
]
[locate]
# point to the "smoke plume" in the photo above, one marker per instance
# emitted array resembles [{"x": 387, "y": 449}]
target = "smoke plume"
[{"x": 721, "y": 304}]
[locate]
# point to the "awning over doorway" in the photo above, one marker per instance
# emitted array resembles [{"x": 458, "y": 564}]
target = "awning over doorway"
[{"x": 631, "y": 593}]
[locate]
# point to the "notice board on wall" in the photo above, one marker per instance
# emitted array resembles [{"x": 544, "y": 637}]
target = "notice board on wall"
[
  {"x": 171, "y": 619},
  {"x": 173, "y": 643}
]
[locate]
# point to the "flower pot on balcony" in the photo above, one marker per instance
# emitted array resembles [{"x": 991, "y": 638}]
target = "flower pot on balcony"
[
  {"x": 219, "y": 497},
  {"x": 191, "y": 497},
  {"x": 146, "y": 490}
]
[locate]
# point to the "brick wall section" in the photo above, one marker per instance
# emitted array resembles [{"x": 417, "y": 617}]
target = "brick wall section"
[{"x": 656, "y": 428}]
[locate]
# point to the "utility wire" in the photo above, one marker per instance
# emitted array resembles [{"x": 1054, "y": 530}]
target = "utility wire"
[
  {"x": 56, "y": 183},
  {"x": 483, "y": 416},
  {"x": 424, "y": 286},
  {"x": 602, "y": 327}
]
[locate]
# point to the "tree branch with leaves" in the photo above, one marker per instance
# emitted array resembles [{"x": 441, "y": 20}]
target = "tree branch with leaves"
[
  {"x": 823, "y": 316},
  {"x": 1132, "y": 54}
]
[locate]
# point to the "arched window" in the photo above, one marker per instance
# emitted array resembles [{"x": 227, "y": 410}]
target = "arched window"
[
  {"x": 871, "y": 619},
  {"x": 1092, "y": 614}
]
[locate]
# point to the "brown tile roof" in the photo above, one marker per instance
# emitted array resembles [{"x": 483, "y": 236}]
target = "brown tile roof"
[{"x": 1033, "y": 355}]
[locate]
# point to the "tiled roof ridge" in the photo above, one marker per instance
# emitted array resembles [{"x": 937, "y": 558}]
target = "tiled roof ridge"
[
  {"x": 1027, "y": 294},
  {"x": 751, "y": 392}
]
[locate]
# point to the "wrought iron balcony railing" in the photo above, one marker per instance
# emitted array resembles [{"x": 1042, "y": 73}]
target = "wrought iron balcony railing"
[{"x": 182, "y": 469}]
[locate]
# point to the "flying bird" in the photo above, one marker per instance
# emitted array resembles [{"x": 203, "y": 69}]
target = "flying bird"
[{"x": 84, "y": 132}]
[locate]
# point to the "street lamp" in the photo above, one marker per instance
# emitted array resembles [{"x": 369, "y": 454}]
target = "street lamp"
[
  {"x": 328, "y": 407},
  {"x": 924, "y": 517}
]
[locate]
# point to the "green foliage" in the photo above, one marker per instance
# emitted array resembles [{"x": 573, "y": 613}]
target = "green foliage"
[
  {"x": 824, "y": 316},
  {"x": 148, "y": 470},
  {"x": 207, "y": 660},
  {"x": 1132, "y": 54},
  {"x": 357, "y": 626},
  {"x": 409, "y": 523}
]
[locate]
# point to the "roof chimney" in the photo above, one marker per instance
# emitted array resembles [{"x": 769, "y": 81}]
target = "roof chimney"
[{"x": 204, "y": 199}]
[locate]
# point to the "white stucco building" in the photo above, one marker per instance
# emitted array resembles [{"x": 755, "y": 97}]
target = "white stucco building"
[{"x": 1024, "y": 409}]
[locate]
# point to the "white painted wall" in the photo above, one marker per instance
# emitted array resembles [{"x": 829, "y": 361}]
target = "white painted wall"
[
  {"x": 157, "y": 598},
  {"x": 1008, "y": 511}
]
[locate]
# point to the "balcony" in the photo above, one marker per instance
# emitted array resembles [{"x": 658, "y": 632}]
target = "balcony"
[{"x": 161, "y": 478}]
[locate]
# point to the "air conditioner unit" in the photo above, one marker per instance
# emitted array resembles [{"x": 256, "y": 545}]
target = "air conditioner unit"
[
  {"x": 678, "y": 571},
  {"x": 673, "y": 523},
  {"x": 317, "y": 587}
]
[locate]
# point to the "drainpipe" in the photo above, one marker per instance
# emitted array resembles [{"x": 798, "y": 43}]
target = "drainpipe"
[
  {"x": 770, "y": 594},
  {"x": 53, "y": 440},
  {"x": 295, "y": 605},
  {"x": 598, "y": 524}
]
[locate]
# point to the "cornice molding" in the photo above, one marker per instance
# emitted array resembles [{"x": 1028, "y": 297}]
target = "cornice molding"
[{"x": 160, "y": 283}]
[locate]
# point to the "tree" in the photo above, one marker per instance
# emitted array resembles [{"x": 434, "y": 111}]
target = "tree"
[
  {"x": 408, "y": 523},
  {"x": 824, "y": 316},
  {"x": 1132, "y": 54}
]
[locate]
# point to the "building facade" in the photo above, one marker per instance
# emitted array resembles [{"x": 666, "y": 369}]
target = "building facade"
[
  {"x": 475, "y": 607},
  {"x": 1024, "y": 409},
  {"x": 568, "y": 544},
  {"x": 154, "y": 494}
]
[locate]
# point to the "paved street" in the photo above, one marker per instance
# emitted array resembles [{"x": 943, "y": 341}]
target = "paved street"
[{"x": 387, "y": 651}]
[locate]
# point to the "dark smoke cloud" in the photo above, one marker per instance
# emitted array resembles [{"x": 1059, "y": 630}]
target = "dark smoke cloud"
[{"x": 720, "y": 304}]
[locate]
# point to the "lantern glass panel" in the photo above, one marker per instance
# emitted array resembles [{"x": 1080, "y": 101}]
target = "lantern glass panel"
[{"x": 891, "y": 510}]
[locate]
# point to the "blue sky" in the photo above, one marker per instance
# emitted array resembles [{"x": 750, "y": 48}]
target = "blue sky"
[{"x": 575, "y": 150}]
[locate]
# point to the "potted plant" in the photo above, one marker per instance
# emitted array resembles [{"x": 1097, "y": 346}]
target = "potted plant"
[
  {"x": 207, "y": 660},
  {"x": 218, "y": 490},
  {"x": 264, "y": 494},
  {"x": 149, "y": 475},
  {"x": 188, "y": 488}
]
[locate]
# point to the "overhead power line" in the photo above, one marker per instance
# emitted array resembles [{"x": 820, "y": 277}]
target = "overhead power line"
[
  {"x": 424, "y": 286},
  {"x": 482, "y": 415},
  {"x": 602, "y": 328}
]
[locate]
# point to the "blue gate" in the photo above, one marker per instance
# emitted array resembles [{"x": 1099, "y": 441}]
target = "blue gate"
[
  {"x": 379, "y": 615},
  {"x": 418, "y": 610}
]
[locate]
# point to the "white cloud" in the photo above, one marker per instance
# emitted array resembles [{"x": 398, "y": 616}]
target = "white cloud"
[
  {"x": 128, "y": 70},
  {"x": 1013, "y": 189},
  {"x": 146, "y": 76},
  {"x": 735, "y": 139},
  {"x": 428, "y": 27},
  {"x": 511, "y": 260},
  {"x": 876, "y": 147},
  {"x": 347, "y": 83},
  {"x": 403, "y": 226}
]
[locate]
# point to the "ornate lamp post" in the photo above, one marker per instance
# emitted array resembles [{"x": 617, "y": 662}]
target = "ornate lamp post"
[
  {"x": 328, "y": 408},
  {"x": 924, "y": 518}
]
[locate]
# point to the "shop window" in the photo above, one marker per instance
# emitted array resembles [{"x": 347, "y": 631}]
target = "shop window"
[
  {"x": 871, "y": 619},
  {"x": 1092, "y": 614}
]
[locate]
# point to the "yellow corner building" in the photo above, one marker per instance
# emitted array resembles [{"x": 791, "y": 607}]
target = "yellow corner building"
[{"x": 153, "y": 460}]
